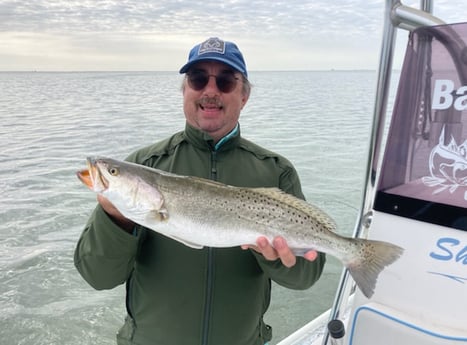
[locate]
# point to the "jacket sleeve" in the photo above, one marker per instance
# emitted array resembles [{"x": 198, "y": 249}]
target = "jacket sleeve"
[
  {"x": 304, "y": 273},
  {"x": 299, "y": 277},
  {"x": 105, "y": 253}
]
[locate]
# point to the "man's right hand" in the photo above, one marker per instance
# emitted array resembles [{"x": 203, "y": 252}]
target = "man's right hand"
[{"x": 115, "y": 214}]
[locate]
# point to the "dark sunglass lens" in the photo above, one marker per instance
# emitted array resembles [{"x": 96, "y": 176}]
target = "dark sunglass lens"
[
  {"x": 198, "y": 80},
  {"x": 226, "y": 82}
]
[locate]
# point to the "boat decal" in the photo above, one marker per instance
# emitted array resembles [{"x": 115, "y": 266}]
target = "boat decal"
[
  {"x": 448, "y": 167},
  {"x": 452, "y": 250},
  {"x": 461, "y": 280}
]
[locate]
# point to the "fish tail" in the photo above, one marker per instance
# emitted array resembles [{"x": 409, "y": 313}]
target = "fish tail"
[{"x": 372, "y": 258}]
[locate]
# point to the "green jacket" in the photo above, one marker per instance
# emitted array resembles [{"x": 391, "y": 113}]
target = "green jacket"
[{"x": 177, "y": 295}]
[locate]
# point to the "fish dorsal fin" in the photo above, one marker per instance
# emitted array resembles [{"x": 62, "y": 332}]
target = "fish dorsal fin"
[
  {"x": 270, "y": 191},
  {"x": 281, "y": 196}
]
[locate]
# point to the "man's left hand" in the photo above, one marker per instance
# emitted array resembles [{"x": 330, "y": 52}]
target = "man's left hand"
[{"x": 279, "y": 250}]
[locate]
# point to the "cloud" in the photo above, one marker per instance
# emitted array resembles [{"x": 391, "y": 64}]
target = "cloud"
[
  {"x": 157, "y": 34},
  {"x": 261, "y": 17}
]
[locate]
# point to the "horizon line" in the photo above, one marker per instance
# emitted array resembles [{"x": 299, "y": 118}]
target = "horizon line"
[{"x": 176, "y": 71}]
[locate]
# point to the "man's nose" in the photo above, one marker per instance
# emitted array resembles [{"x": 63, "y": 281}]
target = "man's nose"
[{"x": 212, "y": 84}]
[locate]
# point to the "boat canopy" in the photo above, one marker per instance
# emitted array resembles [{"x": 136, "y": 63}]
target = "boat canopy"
[{"x": 424, "y": 172}]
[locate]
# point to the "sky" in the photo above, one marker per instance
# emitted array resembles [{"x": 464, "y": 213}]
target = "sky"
[{"x": 156, "y": 35}]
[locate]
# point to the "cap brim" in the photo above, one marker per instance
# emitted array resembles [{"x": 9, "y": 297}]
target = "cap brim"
[{"x": 187, "y": 66}]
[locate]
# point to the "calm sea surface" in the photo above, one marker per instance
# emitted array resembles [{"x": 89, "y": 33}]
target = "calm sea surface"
[{"x": 49, "y": 124}]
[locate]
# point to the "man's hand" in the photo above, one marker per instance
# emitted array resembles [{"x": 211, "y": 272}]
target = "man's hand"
[
  {"x": 279, "y": 250},
  {"x": 115, "y": 214}
]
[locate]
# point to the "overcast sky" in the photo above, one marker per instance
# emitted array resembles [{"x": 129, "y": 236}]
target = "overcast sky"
[{"x": 156, "y": 35}]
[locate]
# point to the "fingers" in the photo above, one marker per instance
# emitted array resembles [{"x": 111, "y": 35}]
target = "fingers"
[
  {"x": 284, "y": 252},
  {"x": 279, "y": 250},
  {"x": 312, "y": 255},
  {"x": 267, "y": 249}
]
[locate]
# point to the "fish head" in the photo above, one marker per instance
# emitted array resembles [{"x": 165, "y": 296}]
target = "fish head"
[
  {"x": 92, "y": 177},
  {"x": 128, "y": 186}
]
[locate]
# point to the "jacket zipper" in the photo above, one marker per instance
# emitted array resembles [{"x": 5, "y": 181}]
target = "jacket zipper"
[
  {"x": 208, "y": 298},
  {"x": 210, "y": 268},
  {"x": 214, "y": 165}
]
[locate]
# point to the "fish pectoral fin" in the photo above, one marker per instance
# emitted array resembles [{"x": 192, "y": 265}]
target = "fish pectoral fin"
[{"x": 160, "y": 215}]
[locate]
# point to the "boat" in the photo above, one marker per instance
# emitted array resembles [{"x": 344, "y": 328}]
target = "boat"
[{"x": 415, "y": 195}]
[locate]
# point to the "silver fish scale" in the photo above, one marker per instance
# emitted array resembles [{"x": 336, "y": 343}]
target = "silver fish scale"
[
  {"x": 272, "y": 208},
  {"x": 223, "y": 205}
]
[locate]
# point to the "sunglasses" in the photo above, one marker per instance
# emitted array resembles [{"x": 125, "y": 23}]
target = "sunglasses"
[{"x": 225, "y": 81}]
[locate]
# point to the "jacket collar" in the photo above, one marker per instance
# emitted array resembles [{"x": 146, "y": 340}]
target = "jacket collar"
[{"x": 204, "y": 141}]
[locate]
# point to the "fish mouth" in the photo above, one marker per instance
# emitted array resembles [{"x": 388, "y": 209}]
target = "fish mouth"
[{"x": 92, "y": 177}]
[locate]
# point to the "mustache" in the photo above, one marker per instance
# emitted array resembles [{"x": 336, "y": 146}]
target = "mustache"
[{"x": 210, "y": 101}]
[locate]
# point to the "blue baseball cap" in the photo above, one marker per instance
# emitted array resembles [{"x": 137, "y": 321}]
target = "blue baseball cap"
[{"x": 218, "y": 50}]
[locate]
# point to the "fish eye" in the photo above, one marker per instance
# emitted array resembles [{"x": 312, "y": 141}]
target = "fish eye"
[{"x": 113, "y": 171}]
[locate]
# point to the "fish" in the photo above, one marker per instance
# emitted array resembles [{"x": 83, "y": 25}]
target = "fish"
[{"x": 204, "y": 213}]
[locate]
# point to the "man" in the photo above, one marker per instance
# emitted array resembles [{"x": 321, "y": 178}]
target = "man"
[{"x": 177, "y": 295}]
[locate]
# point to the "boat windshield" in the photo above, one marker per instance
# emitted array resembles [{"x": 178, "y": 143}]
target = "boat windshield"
[{"x": 424, "y": 172}]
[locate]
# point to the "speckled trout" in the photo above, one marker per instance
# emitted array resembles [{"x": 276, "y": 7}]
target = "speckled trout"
[{"x": 200, "y": 212}]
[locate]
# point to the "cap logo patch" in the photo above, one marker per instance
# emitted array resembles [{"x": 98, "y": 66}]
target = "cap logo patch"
[{"x": 212, "y": 45}]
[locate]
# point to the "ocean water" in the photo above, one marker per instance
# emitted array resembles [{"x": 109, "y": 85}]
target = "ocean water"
[{"x": 49, "y": 124}]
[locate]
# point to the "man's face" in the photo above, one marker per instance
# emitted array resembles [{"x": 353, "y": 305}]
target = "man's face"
[{"x": 209, "y": 109}]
